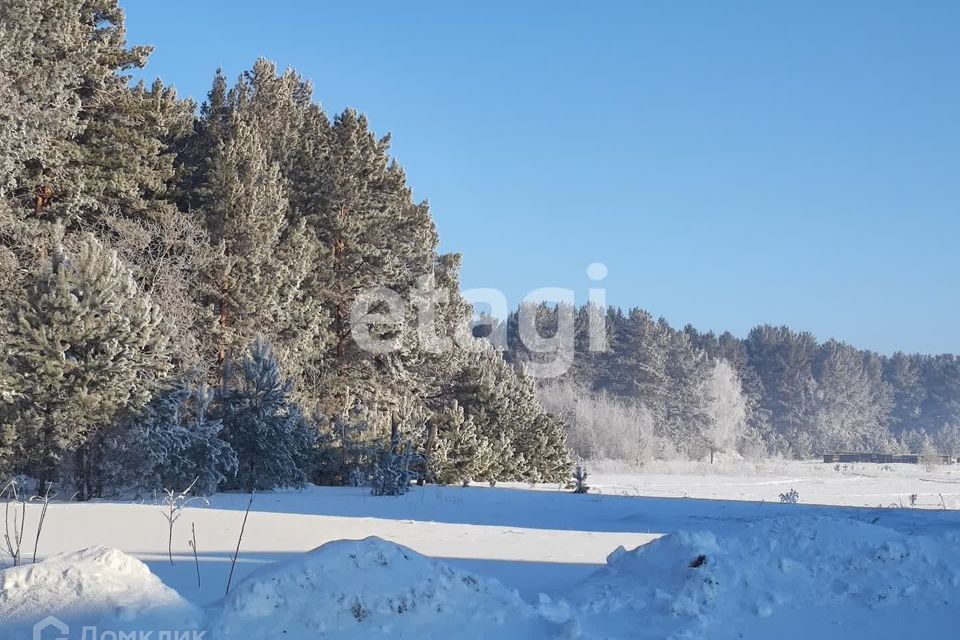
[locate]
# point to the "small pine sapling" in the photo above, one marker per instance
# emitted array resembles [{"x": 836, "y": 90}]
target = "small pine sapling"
[
  {"x": 580, "y": 479},
  {"x": 394, "y": 472},
  {"x": 395, "y": 469}
]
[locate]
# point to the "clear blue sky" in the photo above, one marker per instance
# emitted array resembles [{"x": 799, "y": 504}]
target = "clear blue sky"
[{"x": 732, "y": 163}]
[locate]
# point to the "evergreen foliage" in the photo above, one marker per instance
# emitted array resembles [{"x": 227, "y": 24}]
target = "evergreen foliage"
[
  {"x": 394, "y": 469},
  {"x": 458, "y": 453},
  {"x": 775, "y": 391},
  {"x": 258, "y": 216},
  {"x": 269, "y": 433},
  {"x": 86, "y": 346},
  {"x": 171, "y": 444}
]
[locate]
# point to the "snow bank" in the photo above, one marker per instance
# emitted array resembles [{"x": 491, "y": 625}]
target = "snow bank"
[
  {"x": 372, "y": 588},
  {"x": 96, "y": 586},
  {"x": 814, "y": 572},
  {"x": 791, "y": 577}
]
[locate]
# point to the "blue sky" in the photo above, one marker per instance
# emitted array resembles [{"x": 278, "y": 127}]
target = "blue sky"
[{"x": 732, "y": 163}]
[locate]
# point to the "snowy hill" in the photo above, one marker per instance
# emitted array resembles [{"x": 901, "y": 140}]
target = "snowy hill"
[
  {"x": 95, "y": 586},
  {"x": 835, "y": 571},
  {"x": 369, "y": 588}
]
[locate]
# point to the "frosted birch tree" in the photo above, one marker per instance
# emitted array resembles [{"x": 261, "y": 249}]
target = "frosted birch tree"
[{"x": 726, "y": 409}]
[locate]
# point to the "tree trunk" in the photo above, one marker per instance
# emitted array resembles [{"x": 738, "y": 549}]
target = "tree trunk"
[
  {"x": 394, "y": 432},
  {"x": 222, "y": 321},
  {"x": 47, "y": 470},
  {"x": 428, "y": 451},
  {"x": 79, "y": 472}
]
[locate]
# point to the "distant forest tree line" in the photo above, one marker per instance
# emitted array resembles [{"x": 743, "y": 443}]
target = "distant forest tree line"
[{"x": 665, "y": 392}]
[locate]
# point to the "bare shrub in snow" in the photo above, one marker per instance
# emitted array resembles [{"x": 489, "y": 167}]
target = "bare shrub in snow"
[
  {"x": 601, "y": 426},
  {"x": 15, "y": 493},
  {"x": 173, "y": 506},
  {"x": 14, "y": 519},
  {"x": 790, "y": 497}
]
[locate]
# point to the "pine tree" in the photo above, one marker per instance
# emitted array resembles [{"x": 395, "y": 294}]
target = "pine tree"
[
  {"x": 640, "y": 351},
  {"x": 172, "y": 443},
  {"x": 361, "y": 212},
  {"x": 851, "y": 402},
  {"x": 460, "y": 453},
  {"x": 783, "y": 359},
  {"x": 758, "y": 437},
  {"x": 589, "y": 362},
  {"x": 94, "y": 154},
  {"x": 686, "y": 399},
  {"x": 948, "y": 440},
  {"x": 527, "y": 443},
  {"x": 263, "y": 261},
  {"x": 87, "y": 344},
  {"x": 542, "y": 337},
  {"x": 8, "y": 400},
  {"x": 904, "y": 375},
  {"x": 45, "y": 51},
  {"x": 348, "y": 445},
  {"x": 439, "y": 349},
  {"x": 43, "y": 54},
  {"x": 243, "y": 169},
  {"x": 543, "y": 445},
  {"x": 116, "y": 162},
  {"x": 246, "y": 222},
  {"x": 941, "y": 376},
  {"x": 129, "y": 203},
  {"x": 266, "y": 429}
]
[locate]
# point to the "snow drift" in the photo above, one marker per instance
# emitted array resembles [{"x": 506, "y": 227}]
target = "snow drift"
[
  {"x": 372, "y": 588},
  {"x": 789, "y": 577},
  {"x": 96, "y": 586},
  {"x": 815, "y": 574}
]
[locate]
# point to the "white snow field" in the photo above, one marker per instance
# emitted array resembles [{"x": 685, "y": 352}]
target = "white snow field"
[{"x": 517, "y": 561}]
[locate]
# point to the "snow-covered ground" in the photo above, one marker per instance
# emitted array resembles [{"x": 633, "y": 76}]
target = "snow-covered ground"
[
  {"x": 851, "y": 485},
  {"x": 835, "y": 565}
]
